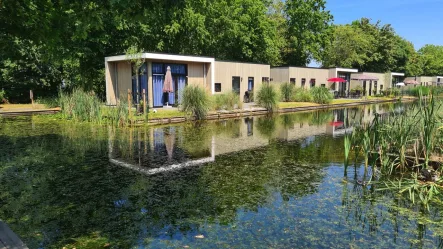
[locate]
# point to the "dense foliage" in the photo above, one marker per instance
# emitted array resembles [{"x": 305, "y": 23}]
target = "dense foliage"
[
  {"x": 375, "y": 47},
  {"x": 287, "y": 91},
  {"x": 226, "y": 101},
  {"x": 47, "y": 44}
]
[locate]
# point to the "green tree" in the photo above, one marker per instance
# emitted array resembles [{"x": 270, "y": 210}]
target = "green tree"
[
  {"x": 308, "y": 30},
  {"x": 431, "y": 59}
]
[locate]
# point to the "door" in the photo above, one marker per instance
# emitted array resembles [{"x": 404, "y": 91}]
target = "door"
[
  {"x": 157, "y": 90},
  {"x": 236, "y": 84}
]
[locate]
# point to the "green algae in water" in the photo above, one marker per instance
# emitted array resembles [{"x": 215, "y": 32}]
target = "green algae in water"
[{"x": 267, "y": 182}]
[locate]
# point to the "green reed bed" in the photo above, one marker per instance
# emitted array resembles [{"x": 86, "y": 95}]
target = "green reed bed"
[{"x": 406, "y": 145}]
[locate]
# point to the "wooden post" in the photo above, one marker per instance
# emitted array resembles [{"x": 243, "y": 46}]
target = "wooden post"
[
  {"x": 31, "y": 96},
  {"x": 144, "y": 104},
  {"x": 129, "y": 105}
]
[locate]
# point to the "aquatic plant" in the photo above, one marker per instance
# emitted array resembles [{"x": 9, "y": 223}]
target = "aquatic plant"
[
  {"x": 267, "y": 97},
  {"x": 321, "y": 95},
  {"x": 196, "y": 101},
  {"x": 287, "y": 91},
  {"x": 80, "y": 106}
]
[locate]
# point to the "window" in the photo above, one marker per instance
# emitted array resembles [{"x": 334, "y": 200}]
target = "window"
[
  {"x": 265, "y": 79},
  {"x": 438, "y": 80},
  {"x": 312, "y": 82},
  {"x": 236, "y": 84},
  {"x": 303, "y": 82},
  {"x": 381, "y": 87},
  {"x": 323, "y": 85},
  {"x": 292, "y": 81},
  {"x": 375, "y": 84},
  {"x": 217, "y": 87},
  {"x": 250, "y": 83}
]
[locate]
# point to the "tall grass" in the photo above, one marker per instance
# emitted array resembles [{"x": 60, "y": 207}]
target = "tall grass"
[
  {"x": 196, "y": 101},
  {"x": 302, "y": 95},
  {"x": 287, "y": 92},
  {"x": 226, "y": 101},
  {"x": 419, "y": 91},
  {"x": 119, "y": 115},
  {"x": 267, "y": 97},
  {"x": 81, "y": 106},
  {"x": 321, "y": 95}
]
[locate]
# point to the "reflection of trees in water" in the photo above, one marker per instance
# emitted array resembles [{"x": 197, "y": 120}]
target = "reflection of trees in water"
[{"x": 373, "y": 212}]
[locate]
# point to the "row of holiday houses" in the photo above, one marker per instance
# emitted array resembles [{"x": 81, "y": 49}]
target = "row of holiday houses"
[{"x": 226, "y": 76}]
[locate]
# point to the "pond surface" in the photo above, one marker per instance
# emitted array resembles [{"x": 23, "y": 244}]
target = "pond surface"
[{"x": 258, "y": 182}]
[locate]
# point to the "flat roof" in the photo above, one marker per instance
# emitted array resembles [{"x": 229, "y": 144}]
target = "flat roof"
[
  {"x": 300, "y": 67},
  {"x": 397, "y": 74},
  {"x": 160, "y": 56},
  {"x": 257, "y": 63},
  {"x": 343, "y": 69}
]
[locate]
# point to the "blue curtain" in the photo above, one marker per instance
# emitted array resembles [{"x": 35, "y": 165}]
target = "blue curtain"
[
  {"x": 171, "y": 97},
  {"x": 181, "y": 86},
  {"x": 250, "y": 84},
  {"x": 177, "y": 69},
  {"x": 157, "y": 68},
  {"x": 157, "y": 89},
  {"x": 143, "y": 85}
]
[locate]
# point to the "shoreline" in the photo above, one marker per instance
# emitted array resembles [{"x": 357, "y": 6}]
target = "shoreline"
[{"x": 261, "y": 111}]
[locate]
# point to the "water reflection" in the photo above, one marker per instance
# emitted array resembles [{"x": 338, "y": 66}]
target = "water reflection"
[{"x": 255, "y": 182}]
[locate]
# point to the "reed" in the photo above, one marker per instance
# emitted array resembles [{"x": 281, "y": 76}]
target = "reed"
[
  {"x": 267, "y": 97},
  {"x": 287, "y": 91},
  {"x": 321, "y": 95},
  {"x": 196, "y": 101},
  {"x": 81, "y": 106},
  {"x": 226, "y": 101}
]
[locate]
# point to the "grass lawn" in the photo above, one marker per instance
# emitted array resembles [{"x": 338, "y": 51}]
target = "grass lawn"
[
  {"x": 165, "y": 113},
  {"x": 334, "y": 102}
]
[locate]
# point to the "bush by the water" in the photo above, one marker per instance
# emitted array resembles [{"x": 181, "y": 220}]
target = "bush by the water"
[
  {"x": 196, "y": 101},
  {"x": 267, "y": 97},
  {"x": 80, "y": 106},
  {"x": 321, "y": 95},
  {"x": 2, "y": 96},
  {"x": 302, "y": 95},
  {"x": 287, "y": 92},
  {"x": 226, "y": 101}
]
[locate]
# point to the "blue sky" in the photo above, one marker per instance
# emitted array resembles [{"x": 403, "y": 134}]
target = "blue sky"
[{"x": 419, "y": 21}]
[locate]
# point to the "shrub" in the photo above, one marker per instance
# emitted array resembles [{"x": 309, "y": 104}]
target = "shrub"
[
  {"x": 267, "y": 97},
  {"x": 226, "y": 101},
  {"x": 80, "y": 106},
  {"x": 196, "y": 101},
  {"x": 287, "y": 91},
  {"x": 302, "y": 95},
  {"x": 3, "y": 96},
  {"x": 321, "y": 95}
]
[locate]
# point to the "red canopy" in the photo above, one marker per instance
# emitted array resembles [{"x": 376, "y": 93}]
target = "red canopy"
[
  {"x": 336, "y": 123},
  {"x": 336, "y": 80}
]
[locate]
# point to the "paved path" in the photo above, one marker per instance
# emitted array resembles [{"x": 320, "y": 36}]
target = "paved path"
[{"x": 8, "y": 239}]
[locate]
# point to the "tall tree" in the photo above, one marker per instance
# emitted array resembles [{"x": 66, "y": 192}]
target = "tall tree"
[
  {"x": 308, "y": 30},
  {"x": 432, "y": 59}
]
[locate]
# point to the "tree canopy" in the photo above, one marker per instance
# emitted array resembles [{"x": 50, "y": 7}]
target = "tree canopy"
[{"x": 44, "y": 43}]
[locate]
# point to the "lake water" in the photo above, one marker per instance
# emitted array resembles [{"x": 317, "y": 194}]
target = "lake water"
[{"x": 258, "y": 182}]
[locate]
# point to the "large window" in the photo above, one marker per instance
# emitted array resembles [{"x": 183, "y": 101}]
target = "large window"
[
  {"x": 265, "y": 79},
  {"x": 303, "y": 82},
  {"x": 236, "y": 84},
  {"x": 292, "y": 81}
]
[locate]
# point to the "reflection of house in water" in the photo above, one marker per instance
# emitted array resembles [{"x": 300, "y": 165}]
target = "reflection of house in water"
[
  {"x": 158, "y": 150},
  {"x": 163, "y": 149}
]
